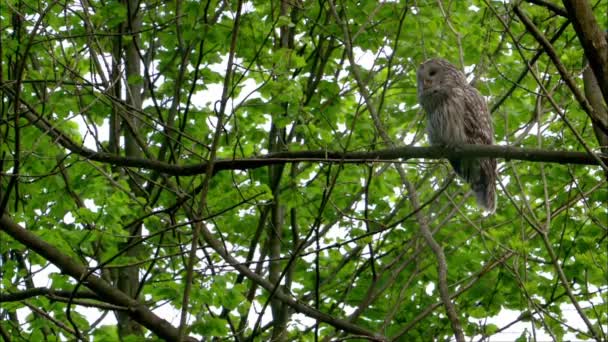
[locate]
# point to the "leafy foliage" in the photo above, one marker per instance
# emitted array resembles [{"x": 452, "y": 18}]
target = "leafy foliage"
[{"x": 342, "y": 239}]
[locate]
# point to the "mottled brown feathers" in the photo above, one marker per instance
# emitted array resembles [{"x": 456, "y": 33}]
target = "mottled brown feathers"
[{"x": 458, "y": 114}]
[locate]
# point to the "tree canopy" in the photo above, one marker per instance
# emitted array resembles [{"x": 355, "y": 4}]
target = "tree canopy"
[{"x": 259, "y": 170}]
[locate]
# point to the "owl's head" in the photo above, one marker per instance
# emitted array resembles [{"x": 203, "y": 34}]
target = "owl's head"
[{"x": 436, "y": 76}]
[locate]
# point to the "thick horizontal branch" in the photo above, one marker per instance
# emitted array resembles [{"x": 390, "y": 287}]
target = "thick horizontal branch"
[
  {"x": 414, "y": 152},
  {"x": 385, "y": 155}
]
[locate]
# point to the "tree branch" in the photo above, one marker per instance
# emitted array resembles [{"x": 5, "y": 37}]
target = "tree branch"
[
  {"x": 69, "y": 266},
  {"x": 384, "y": 155},
  {"x": 43, "y": 291},
  {"x": 550, "y": 6},
  {"x": 442, "y": 266},
  {"x": 592, "y": 39},
  {"x": 531, "y": 28}
]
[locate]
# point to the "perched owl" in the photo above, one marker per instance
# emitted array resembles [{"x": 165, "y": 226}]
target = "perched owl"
[{"x": 458, "y": 114}]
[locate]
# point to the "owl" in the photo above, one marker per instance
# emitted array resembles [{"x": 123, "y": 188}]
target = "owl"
[{"x": 457, "y": 114}]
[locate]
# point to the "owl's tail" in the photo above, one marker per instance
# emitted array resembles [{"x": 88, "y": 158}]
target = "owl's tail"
[
  {"x": 481, "y": 174},
  {"x": 486, "y": 196},
  {"x": 484, "y": 186}
]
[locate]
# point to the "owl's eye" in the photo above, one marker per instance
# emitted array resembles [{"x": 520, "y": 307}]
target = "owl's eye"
[{"x": 432, "y": 73}]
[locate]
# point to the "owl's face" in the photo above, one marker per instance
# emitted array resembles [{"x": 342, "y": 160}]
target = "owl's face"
[
  {"x": 430, "y": 77},
  {"x": 436, "y": 78}
]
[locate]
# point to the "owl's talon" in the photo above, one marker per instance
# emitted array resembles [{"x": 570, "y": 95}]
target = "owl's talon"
[{"x": 452, "y": 147}]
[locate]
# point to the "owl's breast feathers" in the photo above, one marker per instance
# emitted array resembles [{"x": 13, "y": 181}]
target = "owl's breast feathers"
[{"x": 446, "y": 116}]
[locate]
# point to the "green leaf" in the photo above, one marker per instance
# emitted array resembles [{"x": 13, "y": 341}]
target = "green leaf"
[{"x": 211, "y": 326}]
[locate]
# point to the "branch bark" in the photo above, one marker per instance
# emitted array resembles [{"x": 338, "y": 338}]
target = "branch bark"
[
  {"x": 442, "y": 267},
  {"x": 404, "y": 153},
  {"x": 384, "y": 155},
  {"x": 592, "y": 39},
  {"x": 296, "y": 304},
  {"x": 550, "y": 6},
  {"x": 137, "y": 311},
  {"x": 552, "y": 53}
]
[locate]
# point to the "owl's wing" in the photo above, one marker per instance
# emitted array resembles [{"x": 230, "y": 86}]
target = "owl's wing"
[
  {"x": 480, "y": 173},
  {"x": 477, "y": 121}
]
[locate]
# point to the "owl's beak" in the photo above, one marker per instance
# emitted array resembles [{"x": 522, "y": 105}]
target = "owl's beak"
[{"x": 426, "y": 84}]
